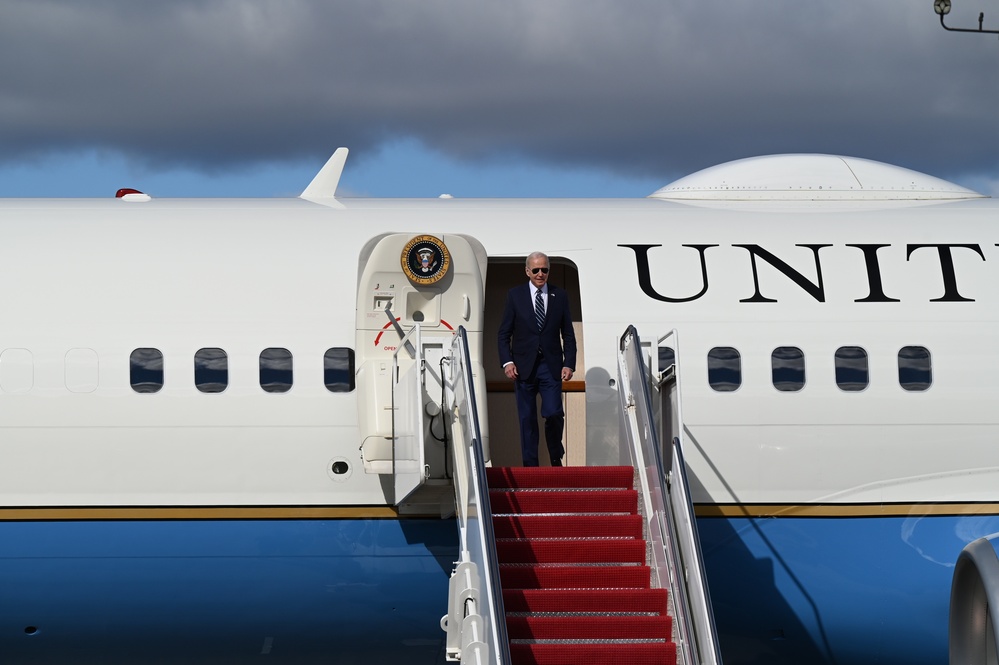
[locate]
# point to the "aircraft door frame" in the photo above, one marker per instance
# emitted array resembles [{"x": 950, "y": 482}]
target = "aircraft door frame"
[{"x": 390, "y": 277}]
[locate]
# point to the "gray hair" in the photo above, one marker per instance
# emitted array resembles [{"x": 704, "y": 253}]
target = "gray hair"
[{"x": 537, "y": 255}]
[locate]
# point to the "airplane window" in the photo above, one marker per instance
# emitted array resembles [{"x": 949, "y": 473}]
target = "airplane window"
[
  {"x": 724, "y": 369},
  {"x": 275, "y": 370},
  {"x": 211, "y": 370},
  {"x": 852, "y": 374},
  {"x": 914, "y": 368},
  {"x": 338, "y": 370},
  {"x": 787, "y": 367},
  {"x": 146, "y": 370},
  {"x": 667, "y": 357}
]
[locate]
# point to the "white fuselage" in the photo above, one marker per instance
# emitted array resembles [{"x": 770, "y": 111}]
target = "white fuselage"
[{"x": 108, "y": 277}]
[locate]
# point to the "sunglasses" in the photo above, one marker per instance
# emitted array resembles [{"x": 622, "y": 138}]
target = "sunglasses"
[{"x": 534, "y": 271}]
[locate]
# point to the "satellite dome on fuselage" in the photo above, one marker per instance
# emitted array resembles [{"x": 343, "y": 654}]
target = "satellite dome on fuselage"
[{"x": 810, "y": 178}]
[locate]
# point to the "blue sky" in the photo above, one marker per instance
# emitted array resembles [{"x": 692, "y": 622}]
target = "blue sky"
[
  {"x": 530, "y": 98},
  {"x": 402, "y": 168}
]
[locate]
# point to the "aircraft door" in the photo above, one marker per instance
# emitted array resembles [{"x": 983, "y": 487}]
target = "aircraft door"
[{"x": 436, "y": 281}]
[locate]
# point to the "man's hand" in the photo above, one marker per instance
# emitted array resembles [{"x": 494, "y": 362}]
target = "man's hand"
[
  {"x": 510, "y": 371},
  {"x": 566, "y": 374}
]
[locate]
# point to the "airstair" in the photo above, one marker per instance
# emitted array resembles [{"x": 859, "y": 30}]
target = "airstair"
[
  {"x": 573, "y": 567},
  {"x": 576, "y": 564}
]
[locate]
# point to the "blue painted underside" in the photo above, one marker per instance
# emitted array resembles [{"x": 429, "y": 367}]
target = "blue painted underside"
[
  {"x": 788, "y": 590},
  {"x": 220, "y": 592},
  {"x": 848, "y": 591}
]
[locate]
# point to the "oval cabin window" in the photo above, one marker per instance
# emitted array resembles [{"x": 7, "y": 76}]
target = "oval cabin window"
[
  {"x": 852, "y": 373},
  {"x": 276, "y": 370},
  {"x": 724, "y": 369},
  {"x": 146, "y": 370}
]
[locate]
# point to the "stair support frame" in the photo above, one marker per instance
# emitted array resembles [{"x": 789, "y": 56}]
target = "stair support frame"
[
  {"x": 672, "y": 532},
  {"x": 476, "y": 620}
]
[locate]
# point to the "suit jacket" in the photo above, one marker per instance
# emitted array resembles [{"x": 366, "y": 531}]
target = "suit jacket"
[{"x": 519, "y": 338}]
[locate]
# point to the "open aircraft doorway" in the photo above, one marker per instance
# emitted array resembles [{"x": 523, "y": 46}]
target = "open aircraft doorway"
[{"x": 504, "y": 274}]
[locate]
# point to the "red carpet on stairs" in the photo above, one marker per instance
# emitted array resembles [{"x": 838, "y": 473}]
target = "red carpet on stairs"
[{"x": 572, "y": 560}]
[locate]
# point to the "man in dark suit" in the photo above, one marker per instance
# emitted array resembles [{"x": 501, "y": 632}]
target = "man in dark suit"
[{"x": 536, "y": 326}]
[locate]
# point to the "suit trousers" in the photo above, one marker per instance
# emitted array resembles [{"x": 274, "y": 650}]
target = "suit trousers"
[{"x": 540, "y": 381}]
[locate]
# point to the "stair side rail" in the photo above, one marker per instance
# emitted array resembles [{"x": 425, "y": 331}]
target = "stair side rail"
[
  {"x": 476, "y": 620},
  {"x": 669, "y": 512},
  {"x": 681, "y": 500}
]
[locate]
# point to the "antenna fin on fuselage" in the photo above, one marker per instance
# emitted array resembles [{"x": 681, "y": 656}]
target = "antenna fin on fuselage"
[{"x": 324, "y": 185}]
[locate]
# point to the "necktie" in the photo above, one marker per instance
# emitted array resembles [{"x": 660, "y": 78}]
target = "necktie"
[{"x": 539, "y": 309}]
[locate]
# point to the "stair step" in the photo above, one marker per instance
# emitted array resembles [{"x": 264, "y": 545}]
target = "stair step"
[
  {"x": 572, "y": 565},
  {"x": 586, "y": 600},
  {"x": 567, "y": 526},
  {"x": 560, "y": 477},
  {"x": 527, "y": 576},
  {"x": 583, "y": 550},
  {"x": 571, "y": 501},
  {"x": 653, "y": 653},
  {"x": 589, "y": 628}
]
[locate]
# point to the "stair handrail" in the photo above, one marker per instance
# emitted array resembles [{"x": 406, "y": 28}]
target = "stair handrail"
[
  {"x": 668, "y": 509},
  {"x": 476, "y": 620},
  {"x": 683, "y": 505}
]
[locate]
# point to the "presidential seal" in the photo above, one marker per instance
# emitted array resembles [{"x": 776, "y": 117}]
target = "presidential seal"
[{"x": 425, "y": 260}]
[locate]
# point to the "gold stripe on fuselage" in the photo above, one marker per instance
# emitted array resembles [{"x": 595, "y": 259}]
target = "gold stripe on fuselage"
[
  {"x": 825, "y": 510},
  {"x": 846, "y": 510},
  {"x": 71, "y": 513}
]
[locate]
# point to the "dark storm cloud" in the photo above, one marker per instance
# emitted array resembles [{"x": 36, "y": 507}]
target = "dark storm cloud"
[{"x": 642, "y": 87}]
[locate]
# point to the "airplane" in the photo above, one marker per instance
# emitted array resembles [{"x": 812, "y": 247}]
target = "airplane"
[{"x": 197, "y": 414}]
